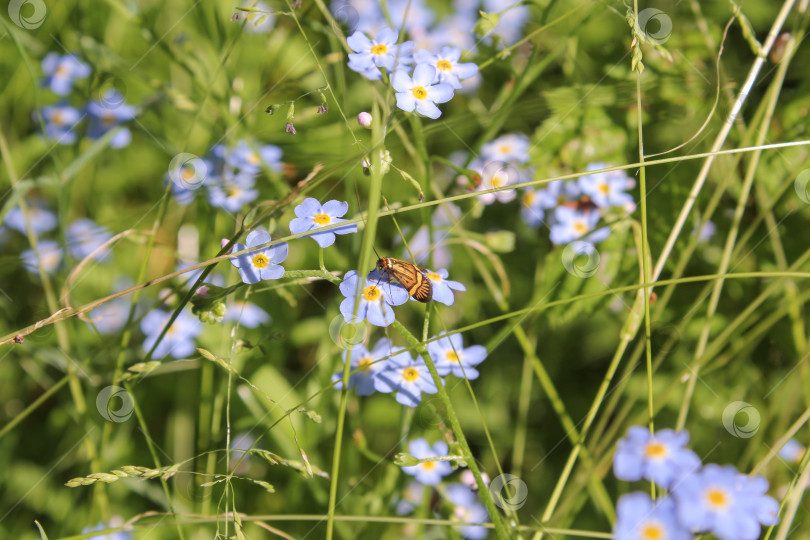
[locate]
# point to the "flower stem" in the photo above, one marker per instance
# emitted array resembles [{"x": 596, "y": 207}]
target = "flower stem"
[{"x": 500, "y": 527}]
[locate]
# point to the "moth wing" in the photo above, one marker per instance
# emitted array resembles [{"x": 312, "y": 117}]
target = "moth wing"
[{"x": 424, "y": 292}]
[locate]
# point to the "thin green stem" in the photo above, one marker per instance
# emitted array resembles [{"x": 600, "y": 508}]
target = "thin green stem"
[{"x": 497, "y": 519}]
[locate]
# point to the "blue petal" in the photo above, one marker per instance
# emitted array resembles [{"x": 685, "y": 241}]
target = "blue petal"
[
  {"x": 379, "y": 313},
  {"x": 348, "y": 229},
  {"x": 308, "y": 208},
  {"x": 423, "y": 56},
  {"x": 426, "y": 108},
  {"x": 347, "y": 310},
  {"x": 409, "y": 395},
  {"x": 401, "y": 82},
  {"x": 443, "y": 294},
  {"x": 386, "y": 36},
  {"x": 335, "y": 208},
  {"x": 257, "y": 238},
  {"x": 424, "y": 74},
  {"x": 324, "y": 239},
  {"x": 465, "y": 71},
  {"x": 277, "y": 253},
  {"x": 359, "y": 42},
  {"x": 348, "y": 287},
  {"x": 451, "y": 54},
  {"x": 386, "y": 381},
  {"x": 300, "y": 224},
  {"x": 249, "y": 274},
  {"x": 272, "y": 271},
  {"x": 440, "y": 93},
  {"x": 395, "y": 294},
  {"x": 474, "y": 354},
  {"x": 407, "y": 102}
]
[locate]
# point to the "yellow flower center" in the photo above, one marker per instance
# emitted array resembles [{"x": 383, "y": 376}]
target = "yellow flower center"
[
  {"x": 444, "y": 65},
  {"x": 419, "y": 92},
  {"x": 580, "y": 227},
  {"x": 433, "y": 276},
  {"x": 365, "y": 363},
  {"x": 410, "y": 374},
  {"x": 107, "y": 119},
  {"x": 717, "y": 498},
  {"x": 528, "y": 198},
  {"x": 655, "y": 450},
  {"x": 233, "y": 191},
  {"x": 51, "y": 259},
  {"x": 57, "y": 118},
  {"x": 260, "y": 260},
  {"x": 428, "y": 465},
  {"x": 379, "y": 49},
  {"x": 187, "y": 173},
  {"x": 371, "y": 293},
  {"x": 451, "y": 356},
  {"x": 497, "y": 181},
  {"x": 652, "y": 531},
  {"x": 604, "y": 188},
  {"x": 322, "y": 219},
  {"x": 253, "y": 159},
  {"x": 62, "y": 70},
  {"x": 504, "y": 149}
]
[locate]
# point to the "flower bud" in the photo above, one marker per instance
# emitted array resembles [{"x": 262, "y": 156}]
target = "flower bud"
[{"x": 364, "y": 119}]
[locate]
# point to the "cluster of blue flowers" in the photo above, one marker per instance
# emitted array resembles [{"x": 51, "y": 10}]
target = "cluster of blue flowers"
[
  {"x": 572, "y": 209},
  {"x": 418, "y": 19},
  {"x": 61, "y": 119},
  {"x": 388, "y": 369},
  {"x": 84, "y": 238},
  {"x": 466, "y": 508},
  {"x": 228, "y": 174},
  {"x": 380, "y": 294},
  {"x": 420, "y": 80},
  {"x": 710, "y": 498},
  {"x": 502, "y": 162}
]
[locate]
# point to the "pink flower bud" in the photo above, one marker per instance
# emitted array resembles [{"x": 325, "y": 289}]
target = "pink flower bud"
[{"x": 364, "y": 119}]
